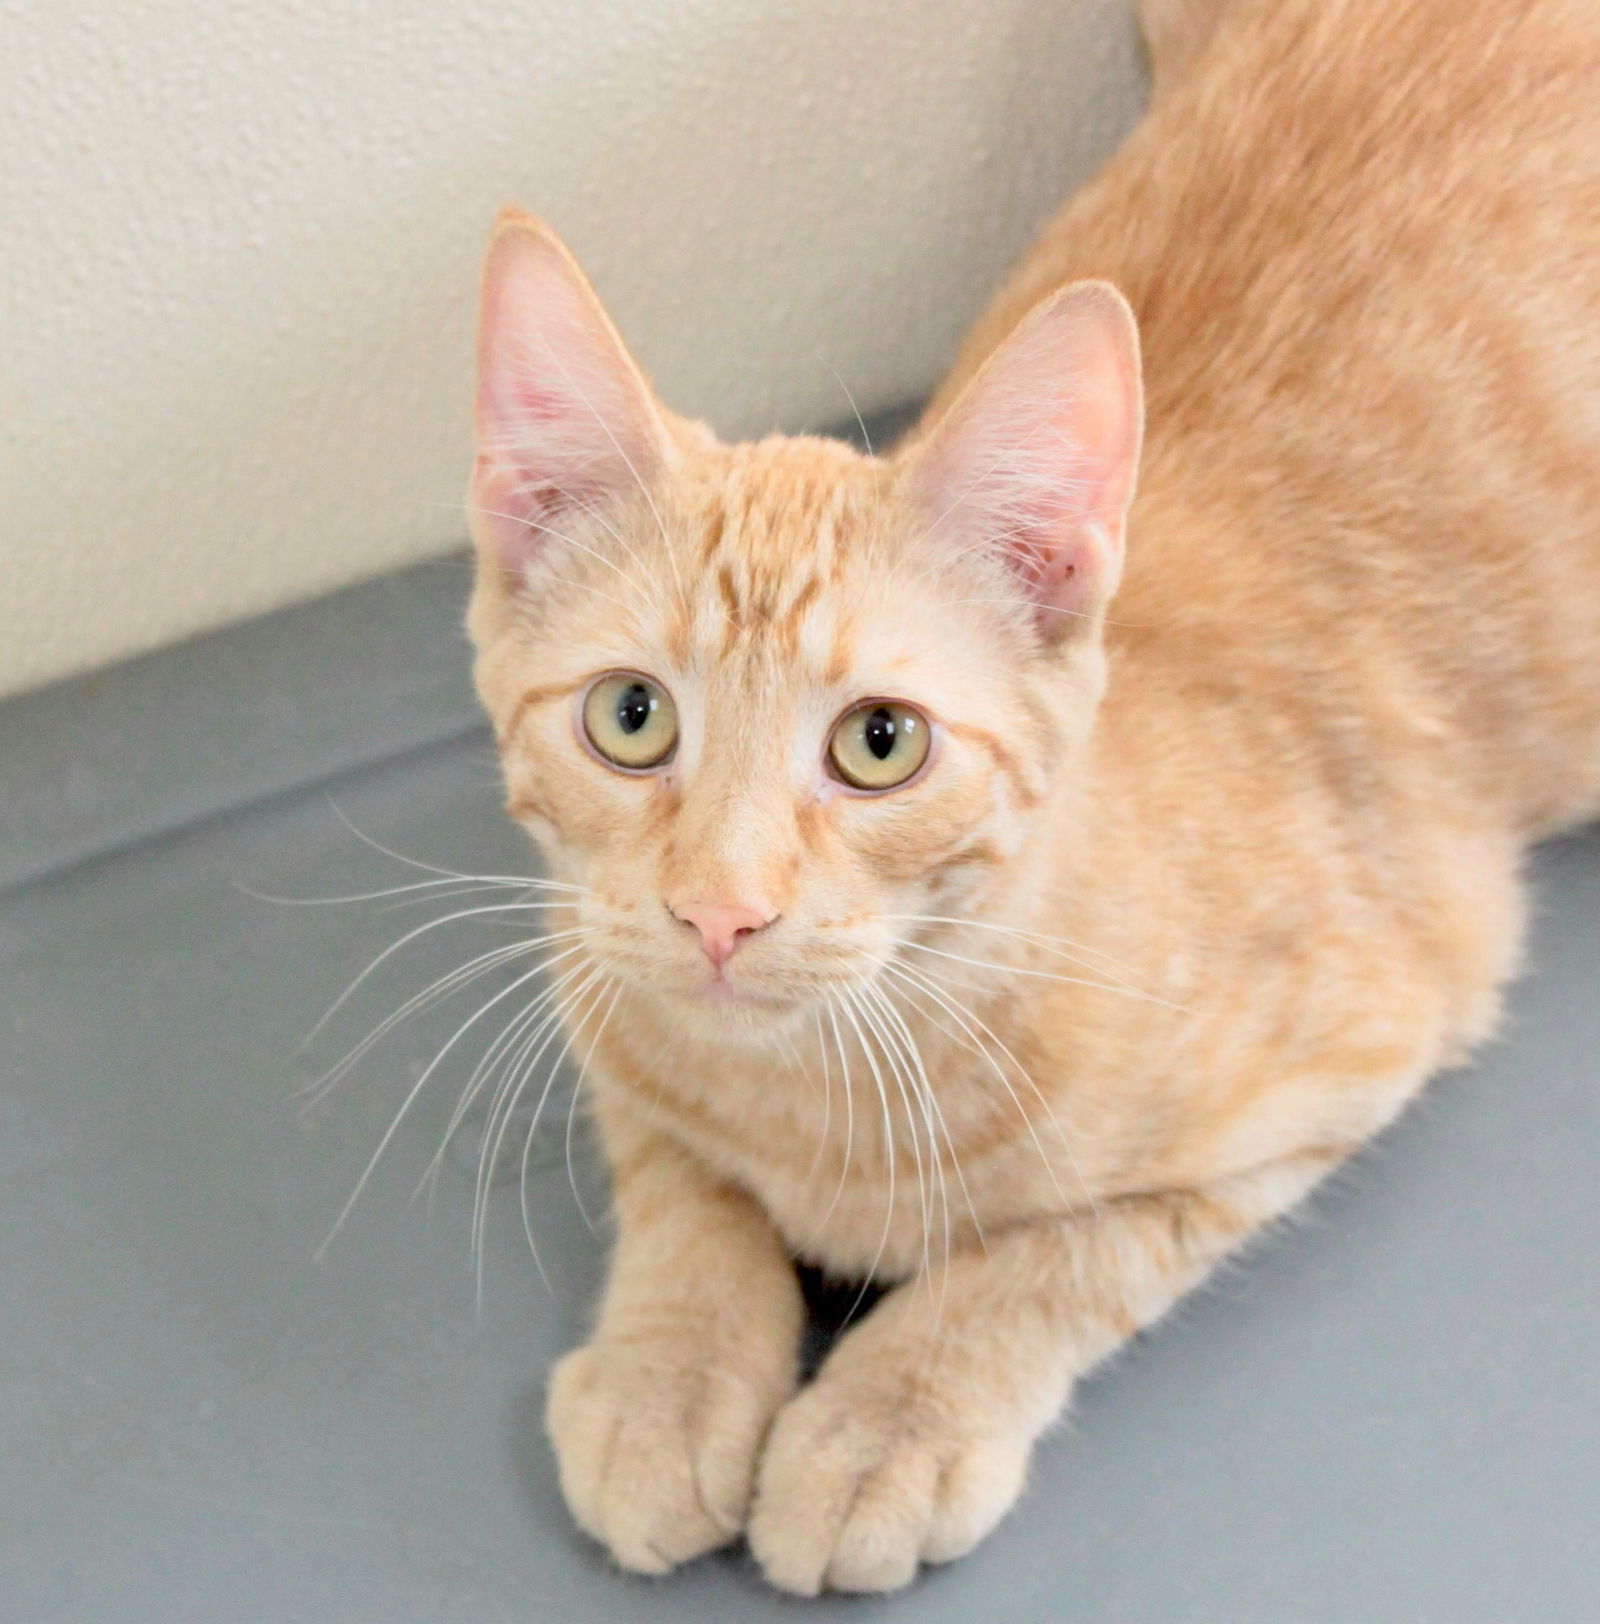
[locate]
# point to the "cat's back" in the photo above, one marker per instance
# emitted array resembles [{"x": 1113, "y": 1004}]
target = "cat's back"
[
  {"x": 1321, "y": 161},
  {"x": 1362, "y": 238},
  {"x": 1342, "y": 189}
]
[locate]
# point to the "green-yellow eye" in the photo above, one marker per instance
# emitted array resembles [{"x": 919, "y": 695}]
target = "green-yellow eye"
[
  {"x": 879, "y": 744},
  {"x": 630, "y": 720}
]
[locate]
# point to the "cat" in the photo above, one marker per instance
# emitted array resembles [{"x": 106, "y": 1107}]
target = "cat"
[{"x": 1013, "y": 890}]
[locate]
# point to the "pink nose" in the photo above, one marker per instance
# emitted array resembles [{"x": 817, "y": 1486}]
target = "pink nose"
[{"x": 722, "y": 926}]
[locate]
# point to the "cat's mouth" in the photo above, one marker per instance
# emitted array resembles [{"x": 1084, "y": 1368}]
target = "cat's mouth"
[
  {"x": 757, "y": 983},
  {"x": 720, "y": 989},
  {"x": 746, "y": 999}
]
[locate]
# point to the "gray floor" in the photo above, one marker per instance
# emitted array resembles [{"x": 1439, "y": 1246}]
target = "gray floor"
[{"x": 1388, "y": 1413}]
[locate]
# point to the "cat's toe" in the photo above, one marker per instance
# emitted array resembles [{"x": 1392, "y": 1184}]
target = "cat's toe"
[
  {"x": 656, "y": 1456},
  {"x": 856, "y": 1493}
]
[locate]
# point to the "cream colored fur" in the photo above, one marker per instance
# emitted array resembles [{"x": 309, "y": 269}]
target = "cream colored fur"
[{"x": 1206, "y": 877}]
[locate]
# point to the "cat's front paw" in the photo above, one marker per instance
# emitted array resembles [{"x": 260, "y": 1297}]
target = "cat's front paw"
[
  {"x": 860, "y": 1483},
  {"x": 657, "y": 1443}
]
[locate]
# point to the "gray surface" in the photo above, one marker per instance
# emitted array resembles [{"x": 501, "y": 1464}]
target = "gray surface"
[
  {"x": 1390, "y": 1413},
  {"x": 89, "y": 765}
]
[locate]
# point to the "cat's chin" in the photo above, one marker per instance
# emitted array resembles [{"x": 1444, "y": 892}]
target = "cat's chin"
[
  {"x": 727, "y": 999},
  {"x": 726, "y": 993}
]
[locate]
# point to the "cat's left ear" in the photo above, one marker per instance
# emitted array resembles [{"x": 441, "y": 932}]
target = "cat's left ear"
[
  {"x": 565, "y": 417},
  {"x": 1036, "y": 460}
]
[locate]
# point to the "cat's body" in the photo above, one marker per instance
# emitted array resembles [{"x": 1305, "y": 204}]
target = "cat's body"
[{"x": 1353, "y": 667}]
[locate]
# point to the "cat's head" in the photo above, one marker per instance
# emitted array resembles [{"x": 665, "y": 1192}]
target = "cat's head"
[{"x": 767, "y": 704}]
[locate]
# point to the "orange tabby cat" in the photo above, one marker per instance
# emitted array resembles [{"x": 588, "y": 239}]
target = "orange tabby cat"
[{"x": 1007, "y": 894}]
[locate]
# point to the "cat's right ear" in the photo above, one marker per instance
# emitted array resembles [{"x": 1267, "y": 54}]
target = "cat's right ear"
[
  {"x": 1035, "y": 463},
  {"x": 565, "y": 417}
]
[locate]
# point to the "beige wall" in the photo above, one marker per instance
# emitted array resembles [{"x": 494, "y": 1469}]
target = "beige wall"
[{"x": 239, "y": 245}]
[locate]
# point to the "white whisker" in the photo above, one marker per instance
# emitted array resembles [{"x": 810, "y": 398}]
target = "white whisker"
[
  {"x": 1046, "y": 975},
  {"x": 577, "y": 1090},
  {"x": 827, "y": 1104},
  {"x": 849, "y": 1117},
  {"x": 847, "y": 1003},
  {"x": 482, "y": 882},
  {"x": 922, "y": 1090},
  {"x": 896, "y": 1071},
  {"x": 1034, "y": 938},
  {"x": 509, "y": 1040},
  {"x": 399, "y": 857},
  {"x": 411, "y": 936},
  {"x": 549, "y": 1029},
  {"x": 416, "y": 1089},
  {"x": 884, "y": 993},
  {"x": 906, "y": 1083},
  {"x": 920, "y": 982},
  {"x": 435, "y": 992}
]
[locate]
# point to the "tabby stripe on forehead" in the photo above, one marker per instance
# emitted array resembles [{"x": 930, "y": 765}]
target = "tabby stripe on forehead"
[
  {"x": 841, "y": 654},
  {"x": 794, "y": 615},
  {"x": 730, "y": 597},
  {"x": 713, "y": 537}
]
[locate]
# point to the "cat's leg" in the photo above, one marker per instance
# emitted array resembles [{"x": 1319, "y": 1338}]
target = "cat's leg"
[
  {"x": 914, "y": 1439},
  {"x": 659, "y": 1420}
]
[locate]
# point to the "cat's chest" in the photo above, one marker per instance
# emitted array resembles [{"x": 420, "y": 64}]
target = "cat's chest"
[{"x": 872, "y": 1172}]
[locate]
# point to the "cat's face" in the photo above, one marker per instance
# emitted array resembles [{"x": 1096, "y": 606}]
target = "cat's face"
[{"x": 768, "y": 704}]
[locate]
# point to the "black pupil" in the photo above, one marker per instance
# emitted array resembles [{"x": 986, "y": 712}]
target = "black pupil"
[
  {"x": 634, "y": 707},
  {"x": 881, "y": 733}
]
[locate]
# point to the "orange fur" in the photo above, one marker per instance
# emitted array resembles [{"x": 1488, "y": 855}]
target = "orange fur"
[{"x": 1227, "y": 918}]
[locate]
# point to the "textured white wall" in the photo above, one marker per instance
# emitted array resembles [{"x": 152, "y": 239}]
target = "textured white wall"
[{"x": 240, "y": 242}]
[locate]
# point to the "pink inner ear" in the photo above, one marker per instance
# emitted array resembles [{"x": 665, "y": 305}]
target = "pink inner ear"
[
  {"x": 1035, "y": 463},
  {"x": 565, "y": 419},
  {"x": 533, "y": 408},
  {"x": 520, "y": 518},
  {"x": 1077, "y": 578}
]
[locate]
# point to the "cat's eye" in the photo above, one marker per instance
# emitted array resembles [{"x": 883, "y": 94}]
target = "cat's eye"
[
  {"x": 879, "y": 745},
  {"x": 630, "y": 721}
]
